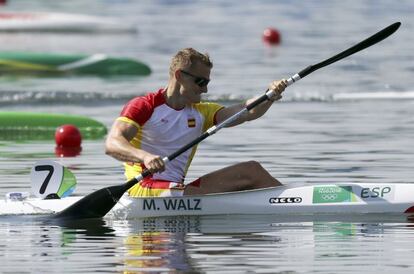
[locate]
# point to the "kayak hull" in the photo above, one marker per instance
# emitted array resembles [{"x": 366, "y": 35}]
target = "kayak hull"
[
  {"x": 297, "y": 199},
  {"x": 20, "y": 125},
  {"x": 61, "y": 22},
  {"x": 52, "y": 64}
]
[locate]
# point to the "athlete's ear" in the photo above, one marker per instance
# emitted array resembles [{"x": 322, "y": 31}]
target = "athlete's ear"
[{"x": 177, "y": 75}]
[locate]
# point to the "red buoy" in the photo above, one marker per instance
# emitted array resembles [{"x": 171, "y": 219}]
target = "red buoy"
[
  {"x": 67, "y": 151},
  {"x": 68, "y": 136},
  {"x": 271, "y": 36}
]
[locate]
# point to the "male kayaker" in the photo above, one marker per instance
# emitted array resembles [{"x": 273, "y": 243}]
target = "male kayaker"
[{"x": 159, "y": 123}]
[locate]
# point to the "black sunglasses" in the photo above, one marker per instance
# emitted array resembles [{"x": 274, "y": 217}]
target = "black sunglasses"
[{"x": 200, "y": 81}]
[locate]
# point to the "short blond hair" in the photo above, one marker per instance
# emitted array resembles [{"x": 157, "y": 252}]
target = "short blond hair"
[{"x": 186, "y": 57}]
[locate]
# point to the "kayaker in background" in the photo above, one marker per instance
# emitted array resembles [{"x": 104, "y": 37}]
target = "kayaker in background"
[{"x": 153, "y": 126}]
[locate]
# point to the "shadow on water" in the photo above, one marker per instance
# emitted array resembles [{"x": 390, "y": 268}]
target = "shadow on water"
[{"x": 86, "y": 227}]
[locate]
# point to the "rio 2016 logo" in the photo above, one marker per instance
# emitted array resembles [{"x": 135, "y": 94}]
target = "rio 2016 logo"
[
  {"x": 332, "y": 194},
  {"x": 329, "y": 197},
  {"x": 345, "y": 194}
]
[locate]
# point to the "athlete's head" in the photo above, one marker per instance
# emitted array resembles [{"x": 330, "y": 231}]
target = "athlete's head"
[{"x": 186, "y": 59}]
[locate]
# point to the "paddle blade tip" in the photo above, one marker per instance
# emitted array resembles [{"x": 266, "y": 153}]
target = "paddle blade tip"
[{"x": 395, "y": 26}]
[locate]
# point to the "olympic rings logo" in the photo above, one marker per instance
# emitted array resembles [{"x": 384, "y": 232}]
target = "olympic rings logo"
[{"x": 329, "y": 197}]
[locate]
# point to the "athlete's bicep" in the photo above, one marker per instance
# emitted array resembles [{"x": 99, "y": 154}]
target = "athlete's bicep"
[{"x": 123, "y": 129}]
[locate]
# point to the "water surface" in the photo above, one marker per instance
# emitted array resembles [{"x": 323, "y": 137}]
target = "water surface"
[{"x": 350, "y": 122}]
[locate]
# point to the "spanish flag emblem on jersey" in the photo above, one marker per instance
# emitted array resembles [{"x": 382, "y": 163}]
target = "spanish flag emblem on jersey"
[{"x": 191, "y": 122}]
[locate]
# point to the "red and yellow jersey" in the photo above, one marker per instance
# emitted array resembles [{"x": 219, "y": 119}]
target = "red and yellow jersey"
[{"x": 163, "y": 130}]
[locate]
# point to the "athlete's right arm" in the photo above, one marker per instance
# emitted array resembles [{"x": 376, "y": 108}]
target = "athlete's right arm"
[{"x": 118, "y": 146}]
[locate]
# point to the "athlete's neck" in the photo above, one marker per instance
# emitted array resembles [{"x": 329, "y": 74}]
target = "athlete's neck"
[{"x": 173, "y": 97}]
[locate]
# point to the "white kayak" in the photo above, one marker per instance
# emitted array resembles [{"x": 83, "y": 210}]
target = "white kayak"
[
  {"x": 341, "y": 198},
  {"x": 59, "y": 22}
]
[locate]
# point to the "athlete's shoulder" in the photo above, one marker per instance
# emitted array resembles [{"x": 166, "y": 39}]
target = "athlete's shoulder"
[
  {"x": 152, "y": 99},
  {"x": 209, "y": 110},
  {"x": 208, "y": 106},
  {"x": 140, "y": 108}
]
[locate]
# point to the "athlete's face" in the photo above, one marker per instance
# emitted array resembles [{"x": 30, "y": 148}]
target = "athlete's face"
[{"x": 194, "y": 82}]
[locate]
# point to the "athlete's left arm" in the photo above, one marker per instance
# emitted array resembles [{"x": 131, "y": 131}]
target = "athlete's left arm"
[{"x": 258, "y": 111}]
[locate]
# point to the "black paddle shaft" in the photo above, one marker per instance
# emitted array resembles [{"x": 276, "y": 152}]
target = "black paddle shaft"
[{"x": 99, "y": 203}]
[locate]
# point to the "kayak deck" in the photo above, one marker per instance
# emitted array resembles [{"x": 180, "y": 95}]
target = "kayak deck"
[{"x": 302, "y": 199}]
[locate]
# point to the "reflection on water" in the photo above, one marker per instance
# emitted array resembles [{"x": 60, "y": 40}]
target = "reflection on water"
[
  {"x": 268, "y": 243},
  {"x": 200, "y": 244},
  {"x": 156, "y": 251}
]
